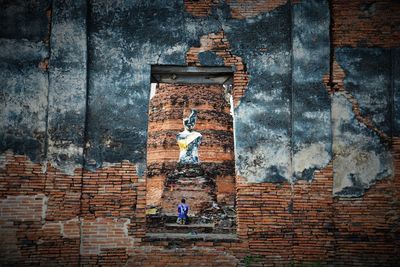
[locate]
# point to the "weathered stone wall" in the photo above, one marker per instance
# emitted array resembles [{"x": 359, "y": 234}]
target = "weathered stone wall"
[{"x": 316, "y": 129}]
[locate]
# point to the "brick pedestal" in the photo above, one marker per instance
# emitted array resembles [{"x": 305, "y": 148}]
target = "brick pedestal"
[{"x": 189, "y": 182}]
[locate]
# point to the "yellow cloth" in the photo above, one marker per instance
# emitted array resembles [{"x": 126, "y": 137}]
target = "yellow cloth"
[{"x": 184, "y": 143}]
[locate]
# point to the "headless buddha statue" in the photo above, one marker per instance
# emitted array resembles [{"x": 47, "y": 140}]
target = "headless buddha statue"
[{"x": 189, "y": 141}]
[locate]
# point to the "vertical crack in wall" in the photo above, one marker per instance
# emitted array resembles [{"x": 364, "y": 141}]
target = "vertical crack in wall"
[
  {"x": 85, "y": 132},
  {"x": 291, "y": 180},
  {"x": 331, "y": 85},
  {"x": 49, "y": 14}
]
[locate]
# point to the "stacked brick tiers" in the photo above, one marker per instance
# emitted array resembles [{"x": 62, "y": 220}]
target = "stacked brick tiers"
[
  {"x": 168, "y": 108},
  {"x": 171, "y": 103},
  {"x": 191, "y": 183}
]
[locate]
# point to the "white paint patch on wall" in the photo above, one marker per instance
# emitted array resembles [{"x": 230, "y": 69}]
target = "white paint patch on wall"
[
  {"x": 360, "y": 159},
  {"x": 153, "y": 90},
  {"x": 55, "y": 149},
  {"x": 313, "y": 156}
]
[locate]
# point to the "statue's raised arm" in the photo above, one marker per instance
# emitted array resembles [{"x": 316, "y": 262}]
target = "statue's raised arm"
[{"x": 189, "y": 141}]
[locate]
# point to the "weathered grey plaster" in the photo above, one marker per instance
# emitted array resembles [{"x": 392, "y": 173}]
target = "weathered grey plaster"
[
  {"x": 23, "y": 29},
  {"x": 67, "y": 91},
  {"x": 368, "y": 80},
  {"x": 21, "y": 19},
  {"x": 360, "y": 158},
  {"x": 262, "y": 120},
  {"x": 396, "y": 90},
  {"x": 282, "y": 125},
  {"x": 24, "y": 103},
  {"x": 311, "y": 113},
  {"x": 126, "y": 39},
  {"x": 209, "y": 58}
]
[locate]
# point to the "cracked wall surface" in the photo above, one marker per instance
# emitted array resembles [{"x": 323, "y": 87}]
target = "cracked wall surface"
[
  {"x": 316, "y": 128},
  {"x": 265, "y": 47},
  {"x": 363, "y": 119},
  {"x": 118, "y": 71},
  {"x": 360, "y": 157}
]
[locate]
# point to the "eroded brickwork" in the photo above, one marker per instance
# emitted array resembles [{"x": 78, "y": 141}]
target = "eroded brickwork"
[
  {"x": 294, "y": 222},
  {"x": 219, "y": 44},
  {"x": 303, "y": 223},
  {"x": 160, "y": 257},
  {"x": 367, "y": 228},
  {"x": 110, "y": 192},
  {"x": 241, "y": 9},
  {"x": 20, "y": 177},
  {"x": 200, "y": 8},
  {"x": 306, "y": 224},
  {"x": 171, "y": 104},
  {"x": 313, "y": 219},
  {"x": 264, "y": 220},
  {"x": 48, "y": 218},
  {"x": 366, "y": 23}
]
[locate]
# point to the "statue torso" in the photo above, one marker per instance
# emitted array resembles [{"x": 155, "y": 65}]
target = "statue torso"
[{"x": 188, "y": 145}]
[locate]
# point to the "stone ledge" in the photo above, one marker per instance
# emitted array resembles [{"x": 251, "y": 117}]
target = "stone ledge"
[
  {"x": 153, "y": 237},
  {"x": 195, "y": 225}
]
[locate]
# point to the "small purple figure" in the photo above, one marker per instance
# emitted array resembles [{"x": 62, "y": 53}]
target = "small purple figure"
[{"x": 183, "y": 209}]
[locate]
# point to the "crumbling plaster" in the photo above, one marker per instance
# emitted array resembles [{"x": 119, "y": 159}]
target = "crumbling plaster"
[{"x": 89, "y": 108}]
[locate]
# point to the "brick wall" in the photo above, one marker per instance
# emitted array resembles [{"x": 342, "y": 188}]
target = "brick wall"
[
  {"x": 38, "y": 214},
  {"x": 49, "y": 218},
  {"x": 367, "y": 228},
  {"x": 366, "y": 23},
  {"x": 306, "y": 224},
  {"x": 277, "y": 223},
  {"x": 159, "y": 257},
  {"x": 217, "y": 43},
  {"x": 294, "y": 222}
]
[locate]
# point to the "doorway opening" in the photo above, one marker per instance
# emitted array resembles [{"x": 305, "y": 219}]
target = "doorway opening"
[{"x": 208, "y": 186}]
